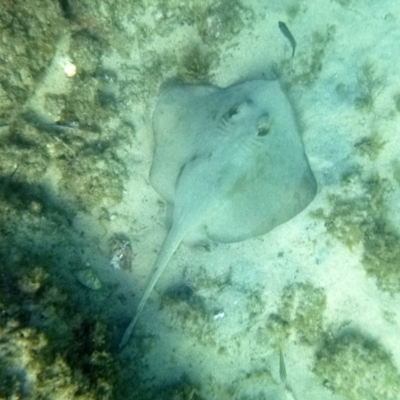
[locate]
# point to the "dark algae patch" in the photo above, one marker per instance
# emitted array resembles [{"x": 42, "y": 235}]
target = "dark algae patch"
[
  {"x": 45, "y": 333},
  {"x": 355, "y": 367},
  {"x": 299, "y": 316},
  {"x": 358, "y": 215},
  {"x": 370, "y": 84},
  {"x": 56, "y": 336},
  {"x": 309, "y": 64},
  {"x": 62, "y": 150}
]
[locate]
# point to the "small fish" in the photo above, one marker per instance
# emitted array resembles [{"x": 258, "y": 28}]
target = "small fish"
[
  {"x": 282, "y": 367},
  {"x": 289, "y": 393},
  {"x": 288, "y": 35}
]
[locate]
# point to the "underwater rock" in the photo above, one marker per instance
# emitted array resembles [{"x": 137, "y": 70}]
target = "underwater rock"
[{"x": 88, "y": 278}]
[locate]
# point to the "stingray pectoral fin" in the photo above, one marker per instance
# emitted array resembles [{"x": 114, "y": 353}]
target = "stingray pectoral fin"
[{"x": 168, "y": 248}]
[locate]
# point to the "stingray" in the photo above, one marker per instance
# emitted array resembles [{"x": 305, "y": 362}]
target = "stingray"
[{"x": 230, "y": 164}]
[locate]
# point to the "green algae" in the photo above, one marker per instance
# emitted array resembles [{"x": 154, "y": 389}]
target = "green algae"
[
  {"x": 196, "y": 65},
  {"x": 300, "y": 315},
  {"x": 26, "y": 49},
  {"x": 51, "y": 327},
  {"x": 190, "y": 313},
  {"x": 370, "y": 84},
  {"x": 254, "y": 304},
  {"x": 220, "y": 20},
  {"x": 381, "y": 258},
  {"x": 306, "y": 71},
  {"x": 352, "y": 211},
  {"x": 357, "y": 216},
  {"x": 213, "y": 21},
  {"x": 79, "y": 138},
  {"x": 355, "y": 366},
  {"x": 49, "y": 335},
  {"x": 22, "y": 150},
  {"x": 370, "y": 146}
]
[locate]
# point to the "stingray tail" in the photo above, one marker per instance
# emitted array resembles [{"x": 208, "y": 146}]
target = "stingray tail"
[{"x": 168, "y": 248}]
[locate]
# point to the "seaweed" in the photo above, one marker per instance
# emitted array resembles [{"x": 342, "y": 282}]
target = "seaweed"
[
  {"x": 347, "y": 360},
  {"x": 370, "y": 146},
  {"x": 300, "y": 312},
  {"x": 220, "y": 20},
  {"x": 53, "y": 331},
  {"x": 190, "y": 315},
  {"x": 358, "y": 216},
  {"x": 307, "y": 72},
  {"x": 370, "y": 84},
  {"x": 196, "y": 64}
]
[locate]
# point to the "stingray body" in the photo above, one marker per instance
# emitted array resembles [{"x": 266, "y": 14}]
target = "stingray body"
[{"x": 230, "y": 164}]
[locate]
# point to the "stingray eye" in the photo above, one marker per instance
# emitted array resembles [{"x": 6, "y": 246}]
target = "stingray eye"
[
  {"x": 264, "y": 125},
  {"x": 233, "y": 111}
]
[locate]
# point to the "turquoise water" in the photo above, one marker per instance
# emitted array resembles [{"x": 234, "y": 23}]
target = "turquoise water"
[{"x": 307, "y": 311}]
